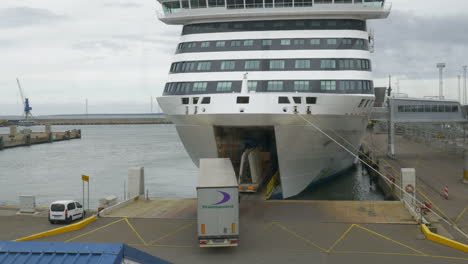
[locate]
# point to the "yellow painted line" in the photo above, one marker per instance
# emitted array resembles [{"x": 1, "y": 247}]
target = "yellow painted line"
[
  {"x": 94, "y": 230},
  {"x": 60, "y": 230},
  {"x": 136, "y": 232},
  {"x": 401, "y": 254},
  {"x": 342, "y": 237},
  {"x": 300, "y": 237},
  {"x": 171, "y": 233},
  {"x": 460, "y": 215},
  {"x": 443, "y": 240},
  {"x": 173, "y": 246},
  {"x": 392, "y": 240}
]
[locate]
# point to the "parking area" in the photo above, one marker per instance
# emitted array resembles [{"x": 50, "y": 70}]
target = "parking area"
[{"x": 293, "y": 234}]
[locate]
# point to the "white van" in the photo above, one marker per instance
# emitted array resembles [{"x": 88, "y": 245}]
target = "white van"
[{"x": 66, "y": 211}]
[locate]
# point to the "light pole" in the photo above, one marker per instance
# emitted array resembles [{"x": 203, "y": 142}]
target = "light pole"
[
  {"x": 441, "y": 67},
  {"x": 459, "y": 88},
  {"x": 464, "y": 84}
]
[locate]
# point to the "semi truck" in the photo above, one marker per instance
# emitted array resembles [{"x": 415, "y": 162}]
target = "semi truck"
[{"x": 218, "y": 204}]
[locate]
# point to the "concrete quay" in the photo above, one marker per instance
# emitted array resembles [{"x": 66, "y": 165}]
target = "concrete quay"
[
  {"x": 103, "y": 121},
  {"x": 435, "y": 169},
  {"x": 270, "y": 232},
  {"x": 33, "y": 138}
]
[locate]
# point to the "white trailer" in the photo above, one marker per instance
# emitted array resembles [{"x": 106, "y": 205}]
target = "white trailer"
[{"x": 218, "y": 204}]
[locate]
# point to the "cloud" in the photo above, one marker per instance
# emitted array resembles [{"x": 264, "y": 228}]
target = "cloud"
[
  {"x": 100, "y": 45},
  {"x": 122, "y": 4},
  {"x": 27, "y": 16},
  {"x": 410, "y": 45}
]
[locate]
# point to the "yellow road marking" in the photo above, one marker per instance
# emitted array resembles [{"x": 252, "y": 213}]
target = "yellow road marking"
[
  {"x": 300, "y": 237},
  {"x": 342, "y": 237},
  {"x": 148, "y": 245},
  {"x": 460, "y": 215},
  {"x": 134, "y": 231},
  {"x": 389, "y": 239},
  {"x": 401, "y": 254},
  {"x": 94, "y": 230},
  {"x": 170, "y": 234}
]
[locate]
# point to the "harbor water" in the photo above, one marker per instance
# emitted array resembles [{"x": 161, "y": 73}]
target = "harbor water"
[{"x": 105, "y": 152}]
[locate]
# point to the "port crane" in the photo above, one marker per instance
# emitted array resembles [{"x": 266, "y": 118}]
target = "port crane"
[{"x": 27, "y": 108}]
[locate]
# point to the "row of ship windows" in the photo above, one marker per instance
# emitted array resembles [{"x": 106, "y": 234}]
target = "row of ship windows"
[
  {"x": 246, "y": 100},
  {"x": 267, "y": 25},
  {"x": 174, "y": 7},
  {"x": 364, "y": 103},
  {"x": 428, "y": 108},
  {"x": 271, "y": 65},
  {"x": 319, "y": 86},
  {"x": 272, "y": 44}
]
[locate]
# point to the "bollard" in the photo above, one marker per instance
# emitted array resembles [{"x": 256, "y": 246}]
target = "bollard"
[
  {"x": 446, "y": 193},
  {"x": 465, "y": 169}
]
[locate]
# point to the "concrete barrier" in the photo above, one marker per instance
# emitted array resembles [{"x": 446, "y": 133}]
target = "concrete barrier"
[
  {"x": 60, "y": 230},
  {"x": 443, "y": 240},
  {"x": 110, "y": 209}
]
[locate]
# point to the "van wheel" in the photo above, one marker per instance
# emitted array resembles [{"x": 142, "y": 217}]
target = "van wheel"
[
  {"x": 69, "y": 220},
  {"x": 51, "y": 221}
]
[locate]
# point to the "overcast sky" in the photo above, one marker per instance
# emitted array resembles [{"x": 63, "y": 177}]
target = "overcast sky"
[{"x": 117, "y": 54}]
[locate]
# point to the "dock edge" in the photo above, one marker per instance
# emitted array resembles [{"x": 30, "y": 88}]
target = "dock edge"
[{"x": 73, "y": 227}]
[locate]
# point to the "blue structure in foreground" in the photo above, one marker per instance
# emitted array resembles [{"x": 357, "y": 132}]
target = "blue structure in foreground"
[{"x": 77, "y": 253}]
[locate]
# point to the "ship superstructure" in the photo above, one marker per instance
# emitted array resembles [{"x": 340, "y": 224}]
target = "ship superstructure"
[{"x": 250, "y": 74}]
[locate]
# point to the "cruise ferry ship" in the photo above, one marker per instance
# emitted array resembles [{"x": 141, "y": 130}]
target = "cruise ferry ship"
[{"x": 255, "y": 74}]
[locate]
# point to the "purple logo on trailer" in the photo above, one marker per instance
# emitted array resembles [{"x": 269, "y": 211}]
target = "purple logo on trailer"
[{"x": 226, "y": 197}]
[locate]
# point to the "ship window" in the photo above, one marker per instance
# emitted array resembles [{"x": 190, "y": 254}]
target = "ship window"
[
  {"x": 185, "y": 100},
  {"x": 248, "y": 43},
  {"x": 199, "y": 86},
  {"x": 192, "y": 45},
  {"x": 242, "y": 99},
  {"x": 252, "y": 85},
  {"x": 328, "y": 85},
  {"x": 327, "y": 64},
  {"x": 252, "y": 65},
  {"x": 266, "y": 42},
  {"x": 224, "y": 86},
  {"x": 277, "y": 64},
  {"x": 198, "y": 4},
  {"x": 206, "y": 100},
  {"x": 216, "y": 3},
  {"x": 235, "y": 43},
  {"x": 204, "y": 66},
  {"x": 346, "y": 42},
  {"x": 283, "y": 100},
  {"x": 301, "y": 86},
  {"x": 299, "y": 42},
  {"x": 331, "y": 41},
  {"x": 285, "y": 42},
  {"x": 297, "y": 100},
  {"x": 311, "y": 100},
  {"x": 302, "y": 64},
  {"x": 315, "y": 42},
  {"x": 303, "y": 3},
  {"x": 275, "y": 85},
  {"x": 205, "y": 44},
  {"x": 195, "y": 100},
  {"x": 228, "y": 65},
  {"x": 220, "y": 43}
]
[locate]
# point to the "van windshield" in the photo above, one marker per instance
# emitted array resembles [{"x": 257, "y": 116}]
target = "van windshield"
[{"x": 57, "y": 207}]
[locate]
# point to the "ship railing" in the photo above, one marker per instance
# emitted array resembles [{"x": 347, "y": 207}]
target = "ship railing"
[{"x": 170, "y": 7}]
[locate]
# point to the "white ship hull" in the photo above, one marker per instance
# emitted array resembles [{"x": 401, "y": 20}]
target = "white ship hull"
[{"x": 305, "y": 155}]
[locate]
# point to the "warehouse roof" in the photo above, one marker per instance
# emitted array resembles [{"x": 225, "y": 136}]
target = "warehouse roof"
[{"x": 78, "y": 253}]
